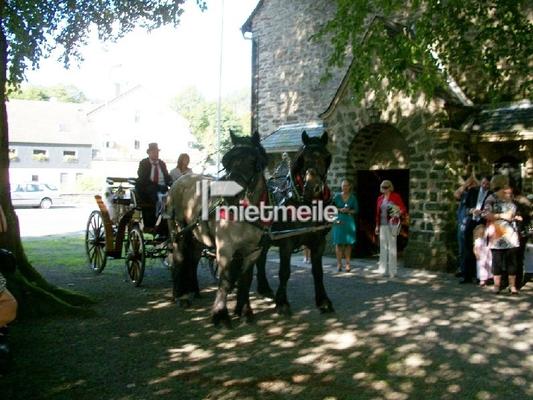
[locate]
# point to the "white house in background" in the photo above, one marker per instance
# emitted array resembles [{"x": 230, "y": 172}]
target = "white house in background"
[
  {"x": 50, "y": 142},
  {"x": 123, "y": 126}
]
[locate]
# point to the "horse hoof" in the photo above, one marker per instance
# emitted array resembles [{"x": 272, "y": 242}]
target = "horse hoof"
[
  {"x": 221, "y": 318},
  {"x": 184, "y": 303},
  {"x": 326, "y": 308},
  {"x": 269, "y": 294},
  {"x": 248, "y": 314},
  {"x": 284, "y": 309}
]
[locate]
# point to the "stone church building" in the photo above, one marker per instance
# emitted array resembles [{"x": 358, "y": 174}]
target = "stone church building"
[{"x": 424, "y": 146}]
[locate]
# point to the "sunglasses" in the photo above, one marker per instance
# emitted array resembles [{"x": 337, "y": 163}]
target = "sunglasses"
[{"x": 385, "y": 187}]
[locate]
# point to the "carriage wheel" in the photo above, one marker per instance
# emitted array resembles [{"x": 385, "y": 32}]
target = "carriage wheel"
[
  {"x": 135, "y": 256},
  {"x": 95, "y": 242}
]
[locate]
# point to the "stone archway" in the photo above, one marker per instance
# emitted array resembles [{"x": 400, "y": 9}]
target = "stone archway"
[{"x": 378, "y": 151}]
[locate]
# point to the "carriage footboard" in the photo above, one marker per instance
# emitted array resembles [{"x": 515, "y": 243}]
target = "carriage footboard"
[{"x": 108, "y": 225}]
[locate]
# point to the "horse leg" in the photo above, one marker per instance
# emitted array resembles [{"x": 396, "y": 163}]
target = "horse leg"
[
  {"x": 282, "y": 303},
  {"x": 323, "y": 303},
  {"x": 180, "y": 292},
  {"x": 263, "y": 287},
  {"x": 219, "y": 313},
  {"x": 243, "y": 307},
  {"x": 196, "y": 255}
]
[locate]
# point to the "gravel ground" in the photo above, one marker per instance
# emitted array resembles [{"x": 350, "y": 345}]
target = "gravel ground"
[{"x": 417, "y": 336}]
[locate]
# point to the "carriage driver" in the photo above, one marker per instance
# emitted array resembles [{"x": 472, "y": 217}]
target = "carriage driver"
[{"x": 153, "y": 180}]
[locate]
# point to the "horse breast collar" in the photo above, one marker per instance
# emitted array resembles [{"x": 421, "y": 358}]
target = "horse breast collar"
[{"x": 297, "y": 187}]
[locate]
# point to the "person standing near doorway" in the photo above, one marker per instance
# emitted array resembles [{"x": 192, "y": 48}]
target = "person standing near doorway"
[
  {"x": 475, "y": 201},
  {"x": 344, "y": 229},
  {"x": 389, "y": 210}
]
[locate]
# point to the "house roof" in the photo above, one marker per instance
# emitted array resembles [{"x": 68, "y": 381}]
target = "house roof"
[
  {"x": 515, "y": 117},
  {"x": 114, "y": 99},
  {"x": 504, "y": 121},
  {"x": 247, "y": 26},
  {"x": 289, "y": 137},
  {"x": 47, "y": 122}
]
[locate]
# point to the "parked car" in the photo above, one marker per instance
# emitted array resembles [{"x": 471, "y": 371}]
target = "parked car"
[{"x": 34, "y": 194}]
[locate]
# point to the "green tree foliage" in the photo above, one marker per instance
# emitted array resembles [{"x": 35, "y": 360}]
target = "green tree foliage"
[
  {"x": 63, "y": 93},
  {"x": 202, "y": 117},
  {"x": 29, "y": 31},
  {"x": 485, "y": 45}
]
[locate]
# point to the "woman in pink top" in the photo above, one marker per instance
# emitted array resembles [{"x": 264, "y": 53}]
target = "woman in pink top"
[{"x": 389, "y": 209}]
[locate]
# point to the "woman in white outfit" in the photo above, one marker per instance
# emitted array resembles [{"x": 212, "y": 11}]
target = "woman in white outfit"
[{"x": 389, "y": 209}]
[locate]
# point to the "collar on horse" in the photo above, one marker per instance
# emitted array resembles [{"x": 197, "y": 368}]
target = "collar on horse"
[{"x": 297, "y": 187}]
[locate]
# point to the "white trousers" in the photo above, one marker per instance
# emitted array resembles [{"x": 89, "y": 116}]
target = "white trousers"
[{"x": 387, "y": 251}]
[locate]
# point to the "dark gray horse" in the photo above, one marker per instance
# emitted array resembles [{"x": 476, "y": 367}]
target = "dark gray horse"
[
  {"x": 237, "y": 243},
  {"x": 305, "y": 185}
]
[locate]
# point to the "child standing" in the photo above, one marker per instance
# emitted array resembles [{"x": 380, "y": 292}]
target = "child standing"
[{"x": 483, "y": 255}]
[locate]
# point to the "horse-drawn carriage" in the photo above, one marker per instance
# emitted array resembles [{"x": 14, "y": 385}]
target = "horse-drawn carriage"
[
  {"x": 116, "y": 231},
  {"x": 195, "y": 229}
]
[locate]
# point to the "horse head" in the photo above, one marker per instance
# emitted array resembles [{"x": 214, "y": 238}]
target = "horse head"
[
  {"x": 246, "y": 160},
  {"x": 311, "y": 167}
]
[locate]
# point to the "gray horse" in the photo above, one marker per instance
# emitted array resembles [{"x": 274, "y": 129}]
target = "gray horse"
[{"x": 237, "y": 243}]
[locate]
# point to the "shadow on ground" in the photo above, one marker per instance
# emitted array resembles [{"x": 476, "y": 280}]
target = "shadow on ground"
[{"x": 420, "y": 336}]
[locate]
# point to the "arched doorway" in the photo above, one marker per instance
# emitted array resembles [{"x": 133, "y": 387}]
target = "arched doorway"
[{"x": 378, "y": 152}]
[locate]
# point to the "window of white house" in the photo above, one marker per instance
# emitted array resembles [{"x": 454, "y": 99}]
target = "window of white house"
[
  {"x": 35, "y": 178},
  {"x": 137, "y": 144},
  {"x": 109, "y": 144},
  {"x": 63, "y": 177},
  {"x": 40, "y": 155},
  {"x": 137, "y": 116},
  {"x": 70, "y": 156},
  {"x": 13, "y": 155}
]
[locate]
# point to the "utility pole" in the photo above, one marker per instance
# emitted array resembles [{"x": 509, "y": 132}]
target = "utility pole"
[{"x": 219, "y": 104}]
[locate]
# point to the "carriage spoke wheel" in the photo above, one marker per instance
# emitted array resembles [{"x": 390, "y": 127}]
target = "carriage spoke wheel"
[
  {"x": 135, "y": 256},
  {"x": 95, "y": 242}
]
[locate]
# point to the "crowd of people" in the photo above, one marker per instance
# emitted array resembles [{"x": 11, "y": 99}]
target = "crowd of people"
[
  {"x": 492, "y": 229},
  {"x": 389, "y": 214}
]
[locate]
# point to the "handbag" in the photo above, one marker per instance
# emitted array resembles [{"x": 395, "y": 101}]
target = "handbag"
[{"x": 396, "y": 228}]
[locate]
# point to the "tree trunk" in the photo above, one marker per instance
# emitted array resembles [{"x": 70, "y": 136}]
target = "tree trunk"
[{"x": 33, "y": 293}]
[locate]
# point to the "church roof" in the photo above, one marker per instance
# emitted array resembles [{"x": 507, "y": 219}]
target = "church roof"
[
  {"x": 288, "y": 138},
  {"x": 509, "y": 118}
]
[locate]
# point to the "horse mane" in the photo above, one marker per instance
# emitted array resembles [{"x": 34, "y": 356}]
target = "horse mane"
[
  {"x": 245, "y": 144},
  {"x": 316, "y": 142}
]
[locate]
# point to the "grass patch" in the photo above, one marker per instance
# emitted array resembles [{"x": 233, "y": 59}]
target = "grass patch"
[{"x": 67, "y": 251}]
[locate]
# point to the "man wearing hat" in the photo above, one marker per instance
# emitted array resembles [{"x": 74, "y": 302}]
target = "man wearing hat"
[{"x": 153, "y": 178}]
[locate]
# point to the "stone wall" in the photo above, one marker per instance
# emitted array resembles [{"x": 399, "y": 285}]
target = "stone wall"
[
  {"x": 401, "y": 137},
  {"x": 290, "y": 66}
]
